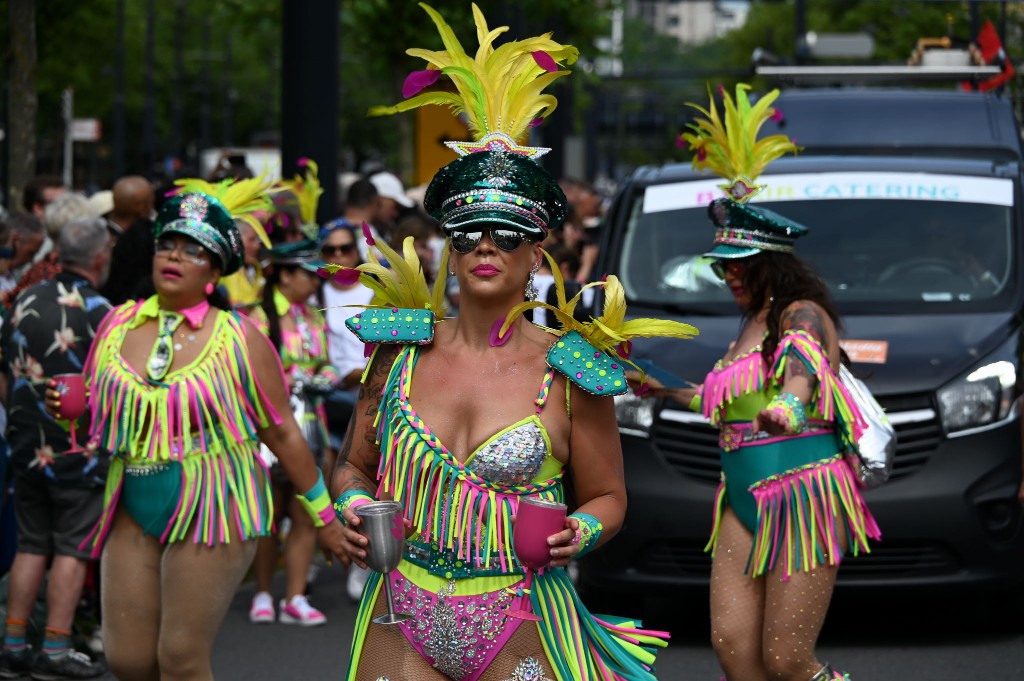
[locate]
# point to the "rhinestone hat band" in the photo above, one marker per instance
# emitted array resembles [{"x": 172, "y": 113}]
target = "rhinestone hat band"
[
  {"x": 461, "y": 208},
  {"x": 749, "y": 238}
]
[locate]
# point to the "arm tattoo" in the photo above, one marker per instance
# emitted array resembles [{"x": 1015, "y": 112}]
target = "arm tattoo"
[
  {"x": 803, "y": 316},
  {"x": 357, "y": 463}
]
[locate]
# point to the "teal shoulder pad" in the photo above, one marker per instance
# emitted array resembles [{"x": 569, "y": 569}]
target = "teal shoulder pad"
[
  {"x": 393, "y": 325},
  {"x": 586, "y": 366}
]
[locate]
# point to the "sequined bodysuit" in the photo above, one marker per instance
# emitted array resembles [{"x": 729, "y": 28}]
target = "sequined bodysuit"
[{"x": 459, "y": 575}]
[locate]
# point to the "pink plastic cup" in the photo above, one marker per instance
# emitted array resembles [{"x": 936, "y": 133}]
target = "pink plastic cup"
[{"x": 536, "y": 520}]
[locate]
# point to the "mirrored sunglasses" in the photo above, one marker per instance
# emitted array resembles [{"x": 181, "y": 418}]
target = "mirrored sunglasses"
[
  {"x": 733, "y": 267},
  {"x": 507, "y": 240}
]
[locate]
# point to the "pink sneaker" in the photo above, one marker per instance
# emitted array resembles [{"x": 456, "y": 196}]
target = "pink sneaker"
[
  {"x": 299, "y": 611},
  {"x": 262, "y": 609}
]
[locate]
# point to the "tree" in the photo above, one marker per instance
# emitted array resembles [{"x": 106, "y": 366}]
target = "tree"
[{"x": 22, "y": 99}]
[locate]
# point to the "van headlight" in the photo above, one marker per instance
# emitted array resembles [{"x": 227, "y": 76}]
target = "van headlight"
[
  {"x": 635, "y": 415},
  {"x": 984, "y": 396}
]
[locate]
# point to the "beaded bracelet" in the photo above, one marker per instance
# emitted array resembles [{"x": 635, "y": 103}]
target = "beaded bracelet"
[
  {"x": 790, "y": 406},
  {"x": 317, "y": 502},
  {"x": 588, "y": 533},
  {"x": 350, "y": 499}
]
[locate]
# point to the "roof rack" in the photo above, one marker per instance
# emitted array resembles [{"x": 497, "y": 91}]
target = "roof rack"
[{"x": 874, "y": 74}]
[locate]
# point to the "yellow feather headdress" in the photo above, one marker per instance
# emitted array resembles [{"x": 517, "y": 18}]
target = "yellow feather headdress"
[
  {"x": 500, "y": 90},
  {"x": 401, "y": 284},
  {"x": 611, "y": 332},
  {"x": 307, "y": 191},
  {"x": 241, "y": 198},
  {"x": 728, "y": 145}
]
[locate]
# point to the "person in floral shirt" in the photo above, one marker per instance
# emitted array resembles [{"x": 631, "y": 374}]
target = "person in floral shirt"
[{"x": 58, "y": 495}]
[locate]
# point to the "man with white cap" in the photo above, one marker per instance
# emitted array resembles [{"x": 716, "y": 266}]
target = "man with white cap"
[{"x": 392, "y": 199}]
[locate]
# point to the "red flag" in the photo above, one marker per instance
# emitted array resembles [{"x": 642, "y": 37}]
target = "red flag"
[{"x": 991, "y": 48}]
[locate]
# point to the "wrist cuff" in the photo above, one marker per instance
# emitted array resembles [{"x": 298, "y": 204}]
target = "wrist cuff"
[
  {"x": 350, "y": 499},
  {"x": 317, "y": 502},
  {"x": 589, "y": 532},
  {"x": 790, "y": 406}
]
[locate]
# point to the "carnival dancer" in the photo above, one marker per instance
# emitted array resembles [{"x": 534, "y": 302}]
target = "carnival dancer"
[
  {"x": 788, "y": 507},
  {"x": 460, "y": 421},
  {"x": 298, "y": 332},
  {"x": 182, "y": 393}
]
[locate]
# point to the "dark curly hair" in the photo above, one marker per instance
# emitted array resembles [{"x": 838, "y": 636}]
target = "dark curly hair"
[{"x": 780, "y": 279}]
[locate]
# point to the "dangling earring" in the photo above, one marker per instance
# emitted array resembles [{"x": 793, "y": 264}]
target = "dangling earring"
[
  {"x": 531, "y": 288},
  {"x": 209, "y": 288}
]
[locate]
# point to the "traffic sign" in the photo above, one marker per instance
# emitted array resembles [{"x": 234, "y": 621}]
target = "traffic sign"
[{"x": 86, "y": 130}]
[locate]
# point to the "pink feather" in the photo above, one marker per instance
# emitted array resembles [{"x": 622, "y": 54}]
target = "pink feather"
[
  {"x": 417, "y": 80},
  {"x": 367, "y": 235},
  {"x": 544, "y": 60}
]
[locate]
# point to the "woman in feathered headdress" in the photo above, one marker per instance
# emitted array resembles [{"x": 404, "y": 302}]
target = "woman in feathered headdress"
[
  {"x": 464, "y": 422},
  {"x": 298, "y": 333},
  {"x": 788, "y": 507},
  {"x": 182, "y": 393}
]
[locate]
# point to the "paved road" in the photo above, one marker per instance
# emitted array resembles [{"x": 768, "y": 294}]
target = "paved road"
[{"x": 929, "y": 638}]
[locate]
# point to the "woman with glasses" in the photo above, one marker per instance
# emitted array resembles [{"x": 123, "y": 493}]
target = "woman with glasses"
[
  {"x": 788, "y": 507},
  {"x": 182, "y": 393},
  {"x": 340, "y": 300},
  {"x": 464, "y": 421}
]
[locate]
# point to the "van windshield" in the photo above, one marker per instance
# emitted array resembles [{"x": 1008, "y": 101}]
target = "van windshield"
[{"x": 908, "y": 240}]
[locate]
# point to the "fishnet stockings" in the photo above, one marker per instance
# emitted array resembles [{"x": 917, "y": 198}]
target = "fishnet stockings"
[
  {"x": 387, "y": 652},
  {"x": 764, "y": 629},
  {"x": 163, "y": 605}
]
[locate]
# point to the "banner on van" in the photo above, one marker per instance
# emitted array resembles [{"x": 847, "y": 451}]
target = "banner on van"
[{"x": 832, "y": 186}]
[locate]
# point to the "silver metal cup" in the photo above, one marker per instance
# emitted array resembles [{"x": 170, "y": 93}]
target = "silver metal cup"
[{"x": 382, "y": 523}]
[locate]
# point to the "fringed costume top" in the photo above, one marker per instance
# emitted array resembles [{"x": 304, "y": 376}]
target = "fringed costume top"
[
  {"x": 796, "y": 493},
  {"x": 460, "y": 573},
  {"x": 197, "y": 428}
]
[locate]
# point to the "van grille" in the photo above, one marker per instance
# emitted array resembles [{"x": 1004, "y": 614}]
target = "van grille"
[
  {"x": 885, "y": 561},
  {"x": 691, "y": 446}
]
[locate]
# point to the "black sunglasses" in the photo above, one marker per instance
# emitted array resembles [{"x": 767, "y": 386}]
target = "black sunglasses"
[
  {"x": 507, "y": 240},
  {"x": 343, "y": 249}
]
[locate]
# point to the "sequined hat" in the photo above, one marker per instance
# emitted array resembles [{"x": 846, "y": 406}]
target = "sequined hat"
[
  {"x": 305, "y": 254},
  {"x": 744, "y": 230},
  {"x": 487, "y": 187},
  {"x": 203, "y": 218}
]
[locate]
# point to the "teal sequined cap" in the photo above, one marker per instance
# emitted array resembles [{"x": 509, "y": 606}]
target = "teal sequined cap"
[
  {"x": 745, "y": 230},
  {"x": 203, "y": 218},
  {"x": 495, "y": 186},
  {"x": 305, "y": 254}
]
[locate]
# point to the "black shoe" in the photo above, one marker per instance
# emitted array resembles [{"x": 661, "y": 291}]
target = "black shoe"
[
  {"x": 74, "y": 665},
  {"x": 15, "y": 665}
]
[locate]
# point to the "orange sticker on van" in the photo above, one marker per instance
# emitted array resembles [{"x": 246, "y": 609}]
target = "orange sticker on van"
[{"x": 866, "y": 351}]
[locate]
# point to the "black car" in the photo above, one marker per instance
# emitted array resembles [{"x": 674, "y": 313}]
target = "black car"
[{"x": 913, "y": 200}]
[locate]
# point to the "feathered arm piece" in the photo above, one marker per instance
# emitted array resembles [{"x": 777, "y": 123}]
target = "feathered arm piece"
[
  {"x": 241, "y": 198},
  {"x": 610, "y": 333},
  {"x": 499, "y": 90},
  {"x": 307, "y": 191},
  {"x": 727, "y": 144},
  {"x": 403, "y": 284}
]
